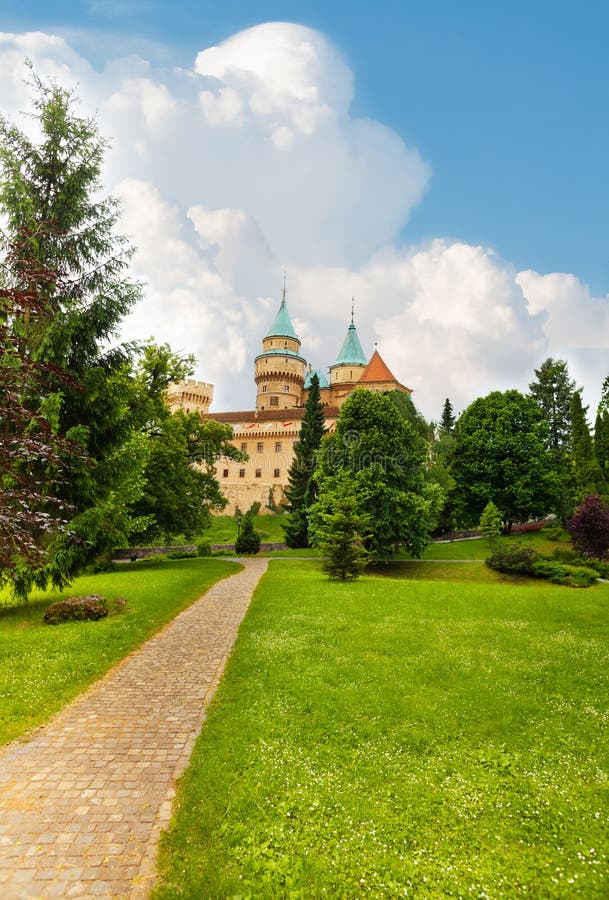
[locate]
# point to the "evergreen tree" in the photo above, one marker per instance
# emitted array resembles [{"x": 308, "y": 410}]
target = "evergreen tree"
[
  {"x": 447, "y": 420},
  {"x": 601, "y": 441},
  {"x": 339, "y": 532},
  {"x": 553, "y": 392},
  {"x": 490, "y": 521},
  {"x": 301, "y": 486},
  {"x": 248, "y": 540},
  {"x": 49, "y": 192},
  {"x": 586, "y": 475}
]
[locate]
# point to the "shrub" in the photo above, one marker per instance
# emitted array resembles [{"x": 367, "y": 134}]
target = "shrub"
[
  {"x": 589, "y": 527},
  {"x": 563, "y": 573},
  {"x": 248, "y": 541},
  {"x": 203, "y": 548},
  {"x": 573, "y": 558},
  {"x": 77, "y": 609},
  {"x": 181, "y": 554},
  {"x": 513, "y": 559}
]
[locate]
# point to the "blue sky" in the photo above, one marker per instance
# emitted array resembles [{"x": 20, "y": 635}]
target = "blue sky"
[
  {"x": 507, "y": 100},
  {"x": 502, "y": 107}
]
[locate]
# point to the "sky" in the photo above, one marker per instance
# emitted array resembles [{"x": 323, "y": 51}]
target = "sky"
[{"x": 444, "y": 163}]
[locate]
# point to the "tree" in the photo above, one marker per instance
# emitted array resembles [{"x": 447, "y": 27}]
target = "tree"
[
  {"x": 589, "y": 527},
  {"x": 248, "y": 539},
  {"x": 490, "y": 521},
  {"x": 180, "y": 489},
  {"x": 301, "y": 487},
  {"x": 384, "y": 457},
  {"x": 601, "y": 441},
  {"x": 586, "y": 474},
  {"x": 553, "y": 392},
  {"x": 339, "y": 532},
  {"x": 501, "y": 456},
  {"x": 49, "y": 191},
  {"x": 447, "y": 419},
  {"x": 407, "y": 409},
  {"x": 33, "y": 455}
]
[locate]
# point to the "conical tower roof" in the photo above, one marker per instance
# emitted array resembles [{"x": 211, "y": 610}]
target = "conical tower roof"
[
  {"x": 351, "y": 353},
  {"x": 377, "y": 370},
  {"x": 282, "y": 326}
]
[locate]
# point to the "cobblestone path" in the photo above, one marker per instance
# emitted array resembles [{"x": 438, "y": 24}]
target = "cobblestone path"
[{"x": 82, "y": 803}]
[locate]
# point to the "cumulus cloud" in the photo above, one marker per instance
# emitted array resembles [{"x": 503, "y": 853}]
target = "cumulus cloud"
[{"x": 250, "y": 161}]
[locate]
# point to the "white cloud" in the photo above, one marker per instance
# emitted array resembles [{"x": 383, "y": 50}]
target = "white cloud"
[{"x": 250, "y": 161}]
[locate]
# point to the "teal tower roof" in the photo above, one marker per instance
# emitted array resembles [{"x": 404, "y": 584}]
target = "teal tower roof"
[
  {"x": 323, "y": 381},
  {"x": 282, "y": 326},
  {"x": 351, "y": 352}
]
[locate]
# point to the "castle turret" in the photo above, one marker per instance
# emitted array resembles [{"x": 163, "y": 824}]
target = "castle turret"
[
  {"x": 347, "y": 369},
  {"x": 279, "y": 369}
]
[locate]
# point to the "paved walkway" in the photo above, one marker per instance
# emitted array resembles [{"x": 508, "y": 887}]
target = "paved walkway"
[{"x": 83, "y": 803}]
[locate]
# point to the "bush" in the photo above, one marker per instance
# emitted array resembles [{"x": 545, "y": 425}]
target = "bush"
[
  {"x": 248, "y": 541},
  {"x": 513, "y": 559},
  {"x": 77, "y": 609},
  {"x": 589, "y": 527},
  {"x": 181, "y": 554},
  {"x": 573, "y": 558},
  {"x": 204, "y": 548},
  {"x": 563, "y": 573}
]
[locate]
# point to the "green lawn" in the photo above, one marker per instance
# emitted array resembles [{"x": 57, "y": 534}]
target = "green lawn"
[
  {"x": 479, "y": 548},
  {"x": 401, "y": 737},
  {"x": 42, "y": 667},
  {"x": 223, "y": 529}
]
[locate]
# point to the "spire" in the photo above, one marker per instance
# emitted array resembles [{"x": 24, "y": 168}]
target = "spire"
[
  {"x": 351, "y": 352},
  {"x": 282, "y": 326}
]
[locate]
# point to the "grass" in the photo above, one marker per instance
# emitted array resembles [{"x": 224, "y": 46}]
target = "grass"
[
  {"x": 42, "y": 667},
  {"x": 223, "y": 530},
  {"x": 479, "y": 548},
  {"x": 398, "y": 737}
]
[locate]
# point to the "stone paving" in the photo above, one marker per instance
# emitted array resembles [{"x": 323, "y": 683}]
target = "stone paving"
[{"x": 83, "y": 803}]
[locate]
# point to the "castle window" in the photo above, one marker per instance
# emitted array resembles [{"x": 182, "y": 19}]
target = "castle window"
[
  {"x": 258, "y": 473},
  {"x": 286, "y": 389},
  {"x": 244, "y": 446},
  {"x": 264, "y": 388},
  {"x": 225, "y": 473},
  {"x": 259, "y": 447},
  {"x": 285, "y": 343},
  {"x": 241, "y": 473},
  {"x": 275, "y": 473},
  {"x": 274, "y": 401},
  {"x": 277, "y": 446}
]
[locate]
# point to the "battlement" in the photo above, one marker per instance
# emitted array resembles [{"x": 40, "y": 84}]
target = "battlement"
[{"x": 190, "y": 395}]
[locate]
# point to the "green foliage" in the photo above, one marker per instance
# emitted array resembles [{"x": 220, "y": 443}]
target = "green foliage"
[
  {"x": 383, "y": 457},
  {"x": 562, "y": 573},
  {"x": 405, "y": 406},
  {"x": 300, "y": 492},
  {"x": 586, "y": 474},
  {"x": 513, "y": 558},
  {"x": 501, "y": 456},
  {"x": 182, "y": 554},
  {"x": 248, "y": 541},
  {"x": 490, "y": 521},
  {"x": 601, "y": 441},
  {"x": 447, "y": 419},
  {"x": 553, "y": 392},
  {"x": 179, "y": 485},
  {"x": 339, "y": 531},
  {"x": 204, "y": 548},
  {"x": 575, "y": 558},
  {"x": 553, "y": 532}
]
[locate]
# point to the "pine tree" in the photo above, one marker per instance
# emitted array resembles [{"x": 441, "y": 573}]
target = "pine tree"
[
  {"x": 601, "y": 440},
  {"x": 447, "y": 420},
  {"x": 490, "y": 521},
  {"x": 586, "y": 474},
  {"x": 338, "y": 535},
  {"x": 553, "y": 392},
  {"x": 49, "y": 192},
  {"x": 301, "y": 486},
  {"x": 248, "y": 540}
]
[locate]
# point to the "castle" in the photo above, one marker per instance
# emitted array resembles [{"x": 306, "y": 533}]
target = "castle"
[{"x": 268, "y": 432}]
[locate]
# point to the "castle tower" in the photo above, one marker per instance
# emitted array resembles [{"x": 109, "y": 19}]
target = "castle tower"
[
  {"x": 349, "y": 365},
  {"x": 279, "y": 369},
  {"x": 190, "y": 395}
]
